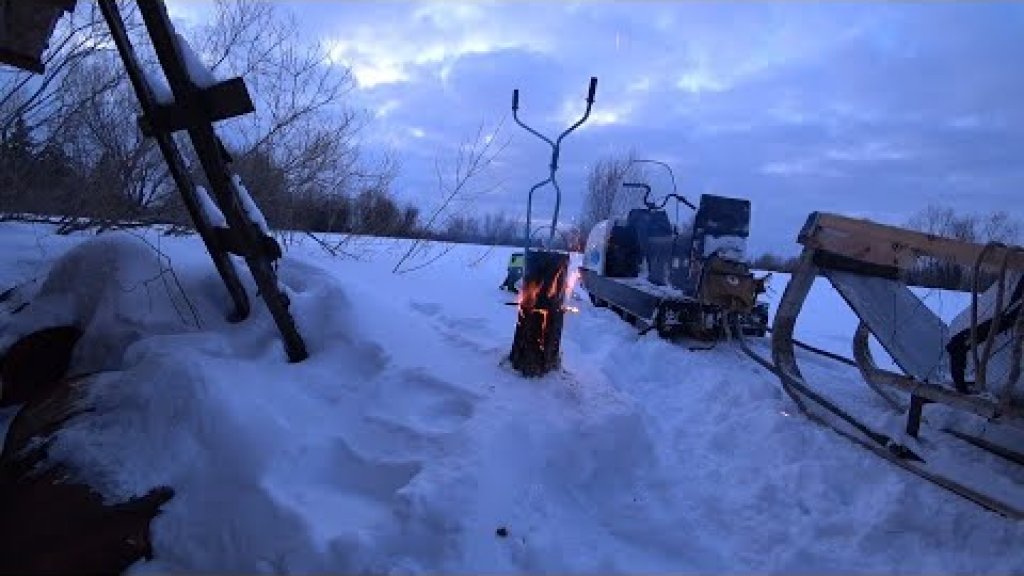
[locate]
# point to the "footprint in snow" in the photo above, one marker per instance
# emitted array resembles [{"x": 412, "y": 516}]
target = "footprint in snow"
[
  {"x": 464, "y": 324},
  {"x": 422, "y": 403},
  {"x": 426, "y": 308}
]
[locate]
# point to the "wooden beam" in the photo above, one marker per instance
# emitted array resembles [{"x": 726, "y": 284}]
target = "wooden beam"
[
  {"x": 221, "y": 101},
  {"x": 891, "y": 246}
]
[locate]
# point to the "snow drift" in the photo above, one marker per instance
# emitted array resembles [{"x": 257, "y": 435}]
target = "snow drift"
[{"x": 403, "y": 444}]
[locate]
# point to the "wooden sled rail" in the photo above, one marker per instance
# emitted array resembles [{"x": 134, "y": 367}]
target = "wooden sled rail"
[{"x": 892, "y": 247}]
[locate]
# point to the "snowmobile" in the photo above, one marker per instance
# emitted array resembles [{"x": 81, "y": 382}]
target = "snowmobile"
[
  {"x": 965, "y": 372},
  {"x": 678, "y": 284}
]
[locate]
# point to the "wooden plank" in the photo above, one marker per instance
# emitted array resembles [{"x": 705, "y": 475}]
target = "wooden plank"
[
  {"x": 221, "y": 101},
  {"x": 175, "y": 162},
  {"x": 210, "y": 151},
  {"x": 908, "y": 330},
  {"x": 886, "y": 245}
]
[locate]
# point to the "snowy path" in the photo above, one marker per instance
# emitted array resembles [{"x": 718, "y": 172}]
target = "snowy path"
[{"x": 403, "y": 444}]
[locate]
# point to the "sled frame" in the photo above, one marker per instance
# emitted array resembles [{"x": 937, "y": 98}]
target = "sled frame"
[{"x": 844, "y": 249}]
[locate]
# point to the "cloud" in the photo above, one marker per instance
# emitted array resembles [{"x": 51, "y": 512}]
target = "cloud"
[{"x": 863, "y": 108}]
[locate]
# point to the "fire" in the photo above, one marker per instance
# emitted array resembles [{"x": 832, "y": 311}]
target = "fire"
[
  {"x": 527, "y": 298},
  {"x": 543, "y": 326},
  {"x": 570, "y": 285},
  {"x": 527, "y": 301},
  {"x": 531, "y": 292},
  {"x": 553, "y": 290}
]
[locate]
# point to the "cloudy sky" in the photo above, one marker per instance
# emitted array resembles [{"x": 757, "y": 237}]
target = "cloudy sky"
[{"x": 869, "y": 109}]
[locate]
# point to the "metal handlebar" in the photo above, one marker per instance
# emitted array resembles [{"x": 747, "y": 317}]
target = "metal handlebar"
[
  {"x": 553, "y": 167},
  {"x": 675, "y": 191},
  {"x": 652, "y": 205}
]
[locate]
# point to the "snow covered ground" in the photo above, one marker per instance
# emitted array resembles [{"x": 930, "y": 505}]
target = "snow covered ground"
[{"x": 404, "y": 445}]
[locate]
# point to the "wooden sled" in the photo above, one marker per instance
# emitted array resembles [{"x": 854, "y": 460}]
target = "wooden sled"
[{"x": 865, "y": 262}]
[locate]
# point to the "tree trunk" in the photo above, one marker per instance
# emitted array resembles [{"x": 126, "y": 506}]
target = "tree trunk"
[{"x": 536, "y": 349}]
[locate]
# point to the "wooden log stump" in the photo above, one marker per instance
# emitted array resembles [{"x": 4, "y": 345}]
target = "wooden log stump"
[
  {"x": 536, "y": 348},
  {"x": 50, "y": 522},
  {"x": 35, "y": 362}
]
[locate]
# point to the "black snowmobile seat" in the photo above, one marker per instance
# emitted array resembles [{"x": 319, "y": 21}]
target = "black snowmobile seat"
[
  {"x": 622, "y": 259},
  {"x": 662, "y": 252},
  {"x": 648, "y": 224}
]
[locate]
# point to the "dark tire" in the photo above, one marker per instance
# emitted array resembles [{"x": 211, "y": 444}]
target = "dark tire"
[{"x": 597, "y": 302}]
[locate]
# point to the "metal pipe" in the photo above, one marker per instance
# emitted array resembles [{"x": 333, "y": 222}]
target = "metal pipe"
[
  {"x": 675, "y": 190},
  {"x": 553, "y": 166}
]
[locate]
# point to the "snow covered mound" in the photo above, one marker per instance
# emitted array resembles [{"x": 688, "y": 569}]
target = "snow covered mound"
[
  {"x": 404, "y": 444},
  {"x": 117, "y": 290},
  {"x": 349, "y": 461}
]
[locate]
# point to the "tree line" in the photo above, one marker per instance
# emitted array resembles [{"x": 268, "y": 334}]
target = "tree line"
[
  {"x": 71, "y": 149},
  {"x": 70, "y": 145}
]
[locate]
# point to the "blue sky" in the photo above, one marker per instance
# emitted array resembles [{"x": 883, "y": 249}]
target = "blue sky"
[{"x": 869, "y": 109}]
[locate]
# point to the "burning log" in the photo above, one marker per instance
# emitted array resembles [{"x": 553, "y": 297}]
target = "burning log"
[{"x": 536, "y": 349}]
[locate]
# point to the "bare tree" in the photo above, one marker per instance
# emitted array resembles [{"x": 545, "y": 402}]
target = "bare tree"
[
  {"x": 999, "y": 226},
  {"x": 301, "y": 122},
  {"x": 299, "y": 151},
  {"x": 31, "y": 98},
  {"x": 106, "y": 136},
  {"x": 945, "y": 221},
  {"x": 457, "y": 188},
  {"x": 605, "y": 196}
]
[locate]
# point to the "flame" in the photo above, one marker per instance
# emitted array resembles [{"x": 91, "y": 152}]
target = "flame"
[
  {"x": 527, "y": 301},
  {"x": 553, "y": 290},
  {"x": 528, "y": 296},
  {"x": 543, "y": 326},
  {"x": 570, "y": 285}
]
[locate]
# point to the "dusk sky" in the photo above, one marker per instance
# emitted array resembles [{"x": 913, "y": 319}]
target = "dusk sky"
[{"x": 872, "y": 109}]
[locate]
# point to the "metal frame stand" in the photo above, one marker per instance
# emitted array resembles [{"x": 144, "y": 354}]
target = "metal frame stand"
[{"x": 536, "y": 347}]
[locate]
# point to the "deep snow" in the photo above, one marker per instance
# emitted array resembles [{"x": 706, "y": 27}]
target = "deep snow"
[{"x": 403, "y": 443}]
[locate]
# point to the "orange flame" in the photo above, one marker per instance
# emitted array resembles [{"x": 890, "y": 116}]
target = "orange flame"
[
  {"x": 543, "y": 326},
  {"x": 553, "y": 290},
  {"x": 527, "y": 300},
  {"x": 527, "y": 297},
  {"x": 570, "y": 285}
]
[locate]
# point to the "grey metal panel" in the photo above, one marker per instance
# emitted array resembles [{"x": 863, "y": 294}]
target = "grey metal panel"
[
  {"x": 634, "y": 299},
  {"x": 908, "y": 330}
]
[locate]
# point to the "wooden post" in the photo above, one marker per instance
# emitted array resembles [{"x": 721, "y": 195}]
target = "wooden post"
[{"x": 536, "y": 348}]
